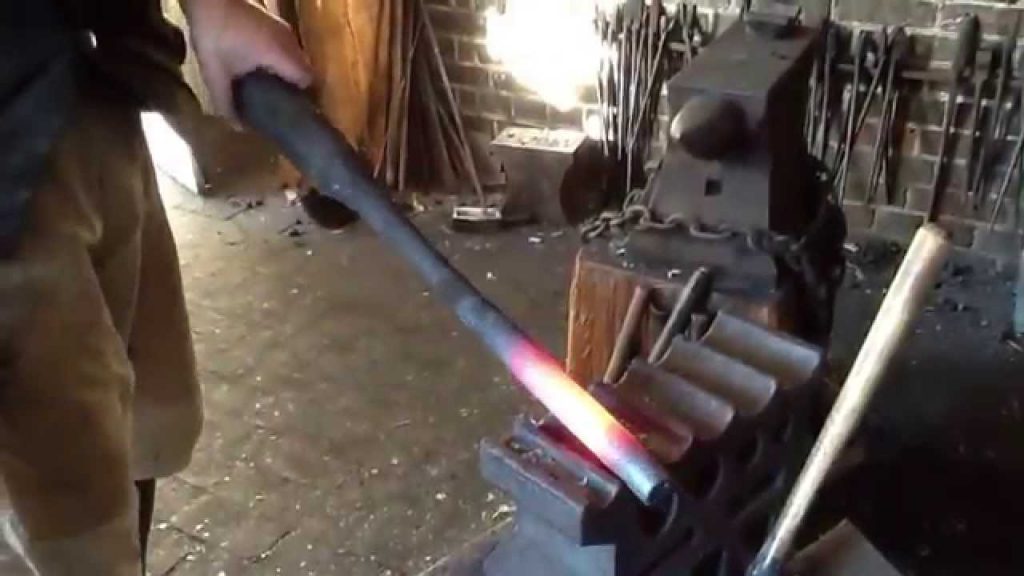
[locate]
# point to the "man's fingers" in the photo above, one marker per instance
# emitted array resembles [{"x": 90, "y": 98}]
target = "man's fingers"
[{"x": 290, "y": 63}]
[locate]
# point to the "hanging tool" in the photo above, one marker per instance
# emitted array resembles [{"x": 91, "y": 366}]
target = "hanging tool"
[
  {"x": 905, "y": 299},
  {"x": 1015, "y": 162},
  {"x": 977, "y": 131},
  {"x": 824, "y": 119},
  {"x": 967, "y": 38},
  {"x": 899, "y": 47},
  {"x": 283, "y": 114},
  {"x": 883, "y": 69},
  {"x": 860, "y": 48},
  {"x": 815, "y": 94},
  {"x": 627, "y": 333},
  {"x": 998, "y": 125},
  {"x": 880, "y": 49}
]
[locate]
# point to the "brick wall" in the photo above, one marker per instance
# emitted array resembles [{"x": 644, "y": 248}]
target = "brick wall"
[{"x": 491, "y": 99}]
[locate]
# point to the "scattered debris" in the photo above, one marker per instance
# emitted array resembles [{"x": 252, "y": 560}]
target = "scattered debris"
[
  {"x": 948, "y": 304},
  {"x": 401, "y": 424},
  {"x": 872, "y": 254},
  {"x": 503, "y": 511},
  {"x": 293, "y": 229},
  {"x": 291, "y": 196},
  {"x": 1012, "y": 340},
  {"x": 242, "y": 206},
  {"x": 960, "y": 272}
]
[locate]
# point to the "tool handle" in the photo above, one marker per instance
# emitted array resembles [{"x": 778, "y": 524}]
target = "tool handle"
[
  {"x": 906, "y": 297},
  {"x": 627, "y": 333},
  {"x": 281, "y": 112}
]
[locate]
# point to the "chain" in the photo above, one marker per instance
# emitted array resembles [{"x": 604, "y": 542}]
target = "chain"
[{"x": 636, "y": 216}]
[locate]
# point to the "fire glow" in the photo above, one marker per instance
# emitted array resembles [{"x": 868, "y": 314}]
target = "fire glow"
[
  {"x": 587, "y": 420},
  {"x": 551, "y": 47}
]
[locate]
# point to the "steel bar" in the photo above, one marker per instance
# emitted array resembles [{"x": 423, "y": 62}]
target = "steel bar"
[
  {"x": 694, "y": 290},
  {"x": 627, "y": 333},
  {"x": 881, "y": 64},
  {"x": 831, "y": 49},
  {"x": 282, "y": 113},
  {"x": 898, "y": 47},
  {"x": 977, "y": 131},
  {"x": 904, "y": 300},
  {"x": 995, "y": 128},
  {"x": 464, "y": 146},
  {"x": 1015, "y": 160},
  {"x": 843, "y": 158},
  {"x": 963, "y": 64}
]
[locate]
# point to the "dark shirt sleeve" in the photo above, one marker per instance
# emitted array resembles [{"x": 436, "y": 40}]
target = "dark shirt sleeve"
[{"x": 47, "y": 47}]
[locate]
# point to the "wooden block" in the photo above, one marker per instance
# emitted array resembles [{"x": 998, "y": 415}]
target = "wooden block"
[{"x": 600, "y": 294}]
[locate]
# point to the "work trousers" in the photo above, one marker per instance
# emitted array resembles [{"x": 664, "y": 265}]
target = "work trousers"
[{"x": 98, "y": 385}]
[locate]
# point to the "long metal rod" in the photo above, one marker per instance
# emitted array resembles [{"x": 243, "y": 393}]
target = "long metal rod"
[
  {"x": 679, "y": 318},
  {"x": 905, "y": 299},
  {"x": 286, "y": 116},
  {"x": 464, "y": 146},
  {"x": 627, "y": 333}
]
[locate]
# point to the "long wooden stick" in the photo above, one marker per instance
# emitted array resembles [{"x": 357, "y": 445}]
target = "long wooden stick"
[
  {"x": 466, "y": 152},
  {"x": 905, "y": 299}
]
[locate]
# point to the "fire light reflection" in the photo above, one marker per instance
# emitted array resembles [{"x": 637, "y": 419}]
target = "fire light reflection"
[{"x": 550, "y": 46}]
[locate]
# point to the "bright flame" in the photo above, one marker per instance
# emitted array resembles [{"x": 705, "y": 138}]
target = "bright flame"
[{"x": 550, "y": 46}]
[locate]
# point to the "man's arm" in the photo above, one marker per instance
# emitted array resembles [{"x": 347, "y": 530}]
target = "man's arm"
[{"x": 234, "y": 37}]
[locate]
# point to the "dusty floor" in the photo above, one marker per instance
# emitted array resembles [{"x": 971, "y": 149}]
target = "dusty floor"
[{"x": 344, "y": 405}]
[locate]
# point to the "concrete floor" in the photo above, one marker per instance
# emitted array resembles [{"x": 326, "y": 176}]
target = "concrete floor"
[{"x": 343, "y": 404}]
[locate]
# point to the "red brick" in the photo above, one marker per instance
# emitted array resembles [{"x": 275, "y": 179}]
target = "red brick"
[
  {"x": 496, "y": 104},
  {"x": 915, "y": 171},
  {"x": 571, "y": 119},
  {"x": 456, "y": 22},
  {"x": 891, "y": 12},
  {"x": 529, "y": 111},
  {"x": 859, "y": 216},
  {"x": 895, "y": 224},
  {"x": 961, "y": 232},
  {"x": 1003, "y": 244},
  {"x": 994, "y": 18},
  {"x": 474, "y": 52},
  {"x": 472, "y": 76}
]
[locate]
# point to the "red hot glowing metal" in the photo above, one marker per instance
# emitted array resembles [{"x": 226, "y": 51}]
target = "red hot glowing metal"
[
  {"x": 614, "y": 445},
  {"x": 284, "y": 114}
]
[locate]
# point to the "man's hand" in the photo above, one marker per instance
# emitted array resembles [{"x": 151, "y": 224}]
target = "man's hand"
[{"x": 234, "y": 37}]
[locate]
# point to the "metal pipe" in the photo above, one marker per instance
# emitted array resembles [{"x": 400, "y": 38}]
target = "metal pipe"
[
  {"x": 286, "y": 116},
  {"x": 905, "y": 299}
]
